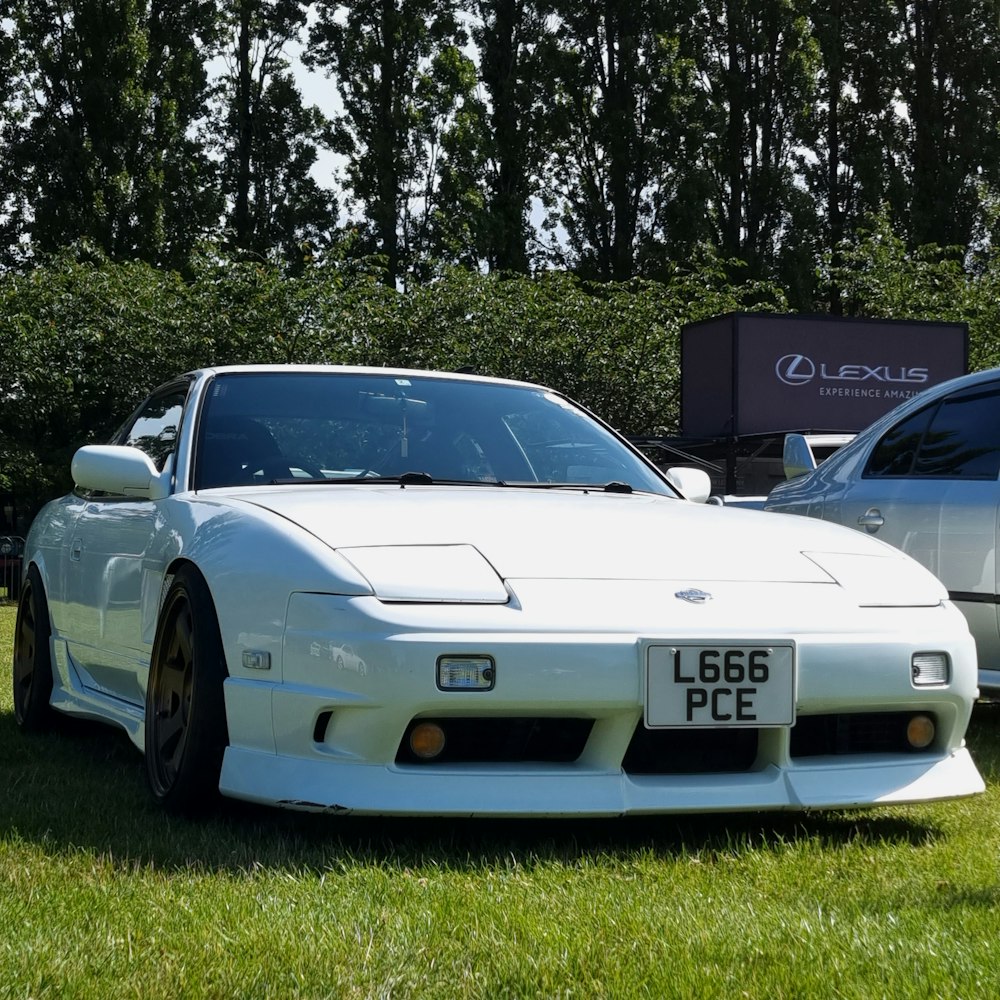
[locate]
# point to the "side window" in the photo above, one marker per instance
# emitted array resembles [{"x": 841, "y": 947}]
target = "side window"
[
  {"x": 894, "y": 454},
  {"x": 957, "y": 438},
  {"x": 963, "y": 440},
  {"x": 154, "y": 429}
]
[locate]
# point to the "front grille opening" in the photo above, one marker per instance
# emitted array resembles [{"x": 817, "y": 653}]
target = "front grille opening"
[
  {"x": 690, "y": 751},
  {"x": 856, "y": 733},
  {"x": 501, "y": 740}
]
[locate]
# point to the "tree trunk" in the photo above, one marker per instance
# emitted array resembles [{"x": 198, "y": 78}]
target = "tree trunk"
[
  {"x": 386, "y": 208},
  {"x": 244, "y": 124}
]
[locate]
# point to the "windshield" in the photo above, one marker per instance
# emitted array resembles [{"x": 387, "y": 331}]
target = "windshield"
[{"x": 266, "y": 427}]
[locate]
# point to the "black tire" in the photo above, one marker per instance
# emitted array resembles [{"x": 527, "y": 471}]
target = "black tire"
[
  {"x": 33, "y": 657},
  {"x": 186, "y": 734}
]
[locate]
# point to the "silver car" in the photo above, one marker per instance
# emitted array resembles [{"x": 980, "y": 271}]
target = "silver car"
[{"x": 924, "y": 478}]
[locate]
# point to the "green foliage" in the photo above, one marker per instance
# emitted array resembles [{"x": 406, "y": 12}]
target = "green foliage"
[
  {"x": 880, "y": 277},
  {"x": 266, "y": 139},
  {"x": 83, "y": 339},
  {"x": 759, "y": 59},
  {"x": 950, "y": 88},
  {"x": 620, "y": 110},
  {"x": 78, "y": 343},
  {"x": 402, "y": 78},
  {"x": 105, "y": 149},
  {"x": 511, "y": 36},
  {"x": 609, "y": 137}
]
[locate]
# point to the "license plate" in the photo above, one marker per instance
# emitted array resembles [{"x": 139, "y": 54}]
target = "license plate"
[{"x": 710, "y": 686}]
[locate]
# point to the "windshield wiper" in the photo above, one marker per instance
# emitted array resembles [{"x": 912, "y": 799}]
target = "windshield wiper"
[
  {"x": 414, "y": 478},
  {"x": 614, "y": 486}
]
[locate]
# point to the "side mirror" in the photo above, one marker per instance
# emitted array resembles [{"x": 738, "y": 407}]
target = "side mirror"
[
  {"x": 121, "y": 471},
  {"x": 796, "y": 456},
  {"x": 692, "y": 484},
  {"x": 804, "y": 452}
]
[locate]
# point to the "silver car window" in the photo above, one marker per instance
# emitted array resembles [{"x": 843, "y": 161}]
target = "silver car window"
[
  {"x": 895, "y": 453},
  {"x": 963, "y": 440},
  {"x": 954, "y": 438}
]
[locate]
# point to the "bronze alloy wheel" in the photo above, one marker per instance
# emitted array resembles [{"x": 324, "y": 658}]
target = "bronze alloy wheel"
[
  {"x": 185, "y": 711},
  {"x": 32, "y": 657}
]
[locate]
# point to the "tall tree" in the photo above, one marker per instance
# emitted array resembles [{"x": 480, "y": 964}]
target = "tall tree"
[
  {"x": 269, "y": 140},
  {"x": 107, "y": 152},
  {"x": 510, "y": 35},
  {"x": 399, "y": 72},
  {"x": 757, "y": 72},
  {"x": 444, "y": 207},
  {"x": 852, "y": 150},
  {"x": 620, "y": 81},
  {"x": 950, "y": 87},
  {"x": 11, "y": 198}
]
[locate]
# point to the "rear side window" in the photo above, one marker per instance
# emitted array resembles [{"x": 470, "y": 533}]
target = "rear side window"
[
  {"x": 896, "y": 452},
  {"x": 957, "y": 438}
]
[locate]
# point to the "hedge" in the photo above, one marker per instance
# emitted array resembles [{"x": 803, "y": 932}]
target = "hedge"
[{"x": 83, "y": 340}]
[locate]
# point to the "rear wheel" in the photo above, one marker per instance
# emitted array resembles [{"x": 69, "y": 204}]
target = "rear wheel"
[
  {"x": 186, "y": 733},
  {"x": 33, "y": 657}
]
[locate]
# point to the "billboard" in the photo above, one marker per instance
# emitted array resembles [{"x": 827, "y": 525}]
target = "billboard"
[{"x": 758, "y": 373}]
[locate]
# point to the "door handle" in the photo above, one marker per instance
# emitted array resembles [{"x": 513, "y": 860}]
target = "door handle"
[
  {"x": 76, "y": 549},
  {"x": 871, "y": 520}
]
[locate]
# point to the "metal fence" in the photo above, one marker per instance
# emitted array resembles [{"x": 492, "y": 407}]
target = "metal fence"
[{"x": 11, "y": 553}]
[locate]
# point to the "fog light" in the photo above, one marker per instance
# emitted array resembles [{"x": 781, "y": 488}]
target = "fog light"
[
  {"x": 920, "y": 732},
  {"x": 427, "y": 740},
  {"x": 929, "y": 668},
  {"x": 466, "y": 673}
]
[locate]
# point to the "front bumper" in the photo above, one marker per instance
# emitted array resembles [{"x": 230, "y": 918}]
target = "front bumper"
[
  {"x": 325, "y": 734},
  {"x": 319, "y": 786}
]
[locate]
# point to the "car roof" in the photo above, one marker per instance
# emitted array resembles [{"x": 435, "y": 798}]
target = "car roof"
[
  {"x": 961, "y": 382},
  {"x": 361, "y": 370},
  {"x": 929, "y": 395}
]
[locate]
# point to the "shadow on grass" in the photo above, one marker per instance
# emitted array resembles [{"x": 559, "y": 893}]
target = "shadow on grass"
[
  {"x": 984, "y": 739},
  {"x": 82, "y": 789}
]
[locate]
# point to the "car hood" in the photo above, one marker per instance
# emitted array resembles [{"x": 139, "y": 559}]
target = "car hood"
[{"x": 574, "y": 534}]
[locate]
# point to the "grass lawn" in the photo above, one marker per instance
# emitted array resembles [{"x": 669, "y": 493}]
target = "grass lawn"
[{"x": 101, "y": 896}]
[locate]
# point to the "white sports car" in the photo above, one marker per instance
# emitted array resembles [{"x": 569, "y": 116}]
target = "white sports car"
[{"x": 375, "y": 591}]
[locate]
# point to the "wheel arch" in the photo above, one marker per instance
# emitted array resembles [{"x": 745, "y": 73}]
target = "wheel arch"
[
  {"x": 39, "y": 563},
  {"x": 185, "y": 731},
  {"x": 232, "y": 618},
  {"x": 176, "y": 565}
]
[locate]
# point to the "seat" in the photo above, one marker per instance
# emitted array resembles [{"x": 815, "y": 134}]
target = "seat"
[{"x": 232, "y": 450}]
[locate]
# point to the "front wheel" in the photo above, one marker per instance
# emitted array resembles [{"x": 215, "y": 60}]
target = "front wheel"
[
  {"x": 186, "y": 734},
  {"x": 33, "y": 657}
]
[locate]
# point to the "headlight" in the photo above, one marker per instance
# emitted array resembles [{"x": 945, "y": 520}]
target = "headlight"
[
  {"x": 431, "y": 574},
  {"x": 892, "y": 580}
]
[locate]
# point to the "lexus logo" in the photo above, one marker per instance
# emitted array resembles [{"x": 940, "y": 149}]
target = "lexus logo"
[{"x": 795, "y": 369}]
